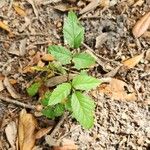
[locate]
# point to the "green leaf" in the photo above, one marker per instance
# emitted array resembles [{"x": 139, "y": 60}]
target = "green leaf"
[
  {"x": 59, "y": 110},
  {"x": 68, "y": 105},
  {"x": 37, "y": 68},
  {"x": 58, "y": 67},
  {"x": 85, "y": 82},
  {"x": 73, "y": 31},
  {"x": 61, "y": 54},
  {"x": 83, "y": 109},
  {"x": 83, "y": 60},
  {"x": 60, "y": 93},
  {"x": 45, "y": 99},
  {"x": 48, "y": 112},
  {"x": 33, "y": 89}
]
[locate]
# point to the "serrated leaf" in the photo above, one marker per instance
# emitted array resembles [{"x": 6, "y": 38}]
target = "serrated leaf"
[
  {"x": 59, "y": 110},
  {"x": 83, "y": 60},
  {"x": 73, "y": 31},
  {"x": 33, "y": 89},
  {"x": 48, "y": 112},
  {"x": 61, "y": 92},
  {"x": 68, "y": 105},
  {"x": 45, "y": 99},
  {"x": 83, "y": 109},
  {"x": 61, "y": 54},
  {"x": 85, "y": 82},
  {"x": 58, "y": 67}
]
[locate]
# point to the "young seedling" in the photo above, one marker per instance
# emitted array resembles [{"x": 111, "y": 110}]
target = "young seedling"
[{"x": 70, "y": 96}]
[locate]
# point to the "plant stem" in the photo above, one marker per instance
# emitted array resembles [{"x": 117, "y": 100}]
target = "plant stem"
[
  {"x": 59, "y": 124},
  {"x": 69, "y": 70},
  {"x": 15, "y": 102}
]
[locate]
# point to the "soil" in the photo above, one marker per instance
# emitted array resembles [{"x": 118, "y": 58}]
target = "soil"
[{"x": 119, "y": 124}]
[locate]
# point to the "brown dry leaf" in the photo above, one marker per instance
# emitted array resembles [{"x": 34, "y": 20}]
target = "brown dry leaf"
[
  {"x": 66, "y": 145},
  {"x": 142, "y": 25},
  {"x": 4, "y": 26},
  {"x": 116, "y": 90},
  {"x": 42, "y": 132},
  {"x": 26, "y": 133},
  {"x": 11, "y": 133},
  {"x": 47, "y": 57},
  {"x": 57, "y": 80},
  {"x": 146, "y": 34},
  {"x": 10, "y": 89},
  {"x": 27, "y": 69},
  {"x": 35, "y": 59},
  {"x": 41, "y": 64},
  {"x": 19, "y": 10},
  {"x": 132, "y": 62},
  {"x": 90, "y": 6}
]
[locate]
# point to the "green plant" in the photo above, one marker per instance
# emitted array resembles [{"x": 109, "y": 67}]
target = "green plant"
[{"x": 70, "y": 96}]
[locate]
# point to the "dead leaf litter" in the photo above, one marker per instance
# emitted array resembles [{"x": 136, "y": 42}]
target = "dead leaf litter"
[{"x": 116, "y": 33}]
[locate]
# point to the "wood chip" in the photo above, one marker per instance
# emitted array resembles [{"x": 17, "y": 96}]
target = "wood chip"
[
  {"x": 101, "y": 39},
  {"x": 92, "y": 5},
  {"x": 138, "y": 3},
  {"x": 148, "y": 55},
  {"x": 66, "y": 144},
  {"x": 2, "y": 3},
  {"x": 10, "y": 89},
  {"x": 142, "y": 25},
  {"x": 22, "y": 47},
  {"x": 13, "y": 49},
  {"x": 1, "y": 86}
]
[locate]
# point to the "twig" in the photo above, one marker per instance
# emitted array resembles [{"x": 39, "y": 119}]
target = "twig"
[
  {"x": 69, "y": 132},
  {"x": 90, "y": 17},
  {"x": 30, "y": 34},
  {"x": 98, "y": 56},
  {"x": 90, "y": 51},
  {"x": 59, "y": 124},
  {"x": 16, "y": 102},
  {"x": 10, "y": 5},
  {"x": 4, "y": 17}
]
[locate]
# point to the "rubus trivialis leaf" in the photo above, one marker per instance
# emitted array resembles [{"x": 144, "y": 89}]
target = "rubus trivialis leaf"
[
  {"x": 59, "y": 110},
  {"x": 83, "y": 109},
  {"x": 61, "y": 54},
  {"x": 85, "y": 82},
  {"x": 45, "y": 99},
  {"x": 33, "y": 89},
  {"x": 73, "y": 31},
  {"x": 83, "y": 60},
  {"x": 60, "y": 93},
  {"x": 48, "y": 112}
]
